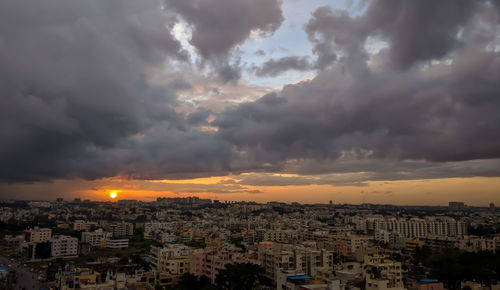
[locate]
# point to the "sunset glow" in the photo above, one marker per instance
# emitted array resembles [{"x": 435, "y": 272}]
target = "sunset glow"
[{"x": 112, "y": 194}]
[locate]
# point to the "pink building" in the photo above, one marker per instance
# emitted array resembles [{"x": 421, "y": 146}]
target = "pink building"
[{"x": 210, "y": 261}]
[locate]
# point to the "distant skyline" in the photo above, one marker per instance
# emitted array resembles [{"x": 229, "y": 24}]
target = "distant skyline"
[
  {"x": 418, "y": 192},
  {"x": 383, "y": 101}
]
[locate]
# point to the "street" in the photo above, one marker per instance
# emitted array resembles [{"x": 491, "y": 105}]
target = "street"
[{"x": 26, "y": 280}]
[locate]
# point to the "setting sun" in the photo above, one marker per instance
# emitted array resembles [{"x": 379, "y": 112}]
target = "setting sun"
[{"x": 112, "y": 194}]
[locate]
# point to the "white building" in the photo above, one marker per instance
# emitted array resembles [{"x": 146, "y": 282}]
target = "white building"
[
  {"x": 415, "y": 227},
  {"x": 64, "y": 246},
  {"x": 116, "y": 243},
  {"x": 95, "y": 238}
]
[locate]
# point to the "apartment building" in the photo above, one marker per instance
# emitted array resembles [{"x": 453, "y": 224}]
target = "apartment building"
[
  {"x": 115, "y": 243},
  {"x": 277, "y": 257},
  {"x": 382, "y": 236},
  {"x": 151, "y": 228},
  {"x": 377, "y": 268},
  {"x": 173, "y": 259},
  {"x": 81, "y": 225},
  {"x": 421, "y": 228},
  {"x": 37, "y": 235},
  {"x": 281, "y": 236},
  {"x": 121, "y": 229},
  {"x": 274, "y": 257},
  {"x": 62, "y": 246},
  {"x": 210, "y": 261},
  {"x": 95, "y": 238}
]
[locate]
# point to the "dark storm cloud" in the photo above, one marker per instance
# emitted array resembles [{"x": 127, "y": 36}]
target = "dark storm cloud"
[
  {"x": 73, "y": 85},
  {"x": 415, "y": 30},
  {"x": 199, "y": 117},
  {"x": 434, "y": 111},
  {"x": 219, "y": 26},
  {"x": 274, "y": 67},
  {"x": 76, "y": 100}
]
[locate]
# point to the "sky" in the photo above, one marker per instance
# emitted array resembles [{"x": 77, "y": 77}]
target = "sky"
[{"x": 382, "y": 101}]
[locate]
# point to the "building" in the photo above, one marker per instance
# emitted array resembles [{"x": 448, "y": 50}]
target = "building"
[
  {"x": 281, "y": 236},
  {"x": 275, "y": 257},
  {"x": 291, "y": 280},
  {"x": 421, "y": 228},
  {"x": 456, "y": 206},
  {"x": 426, "y": 284},
  {"x": 64, "y": 246},
  {"x": 121, "y": 229},
  {"x": 152, "y": 228},
  {"x": 359, "y": 243},
  {"x": 382, "y": 236},
  {"x": 476, "y": 244},
  {"x": 173, "y": 259},
  {"x": 381, "y": 284},
  {"x": 210, "y": 261},
  {"x": 12, "y": 244},
  {"x": 81, "y": 278},
  {"x": 296, "y": 280},
  {"x": 115, "y": 243},
  {"x": 95, "y": 238},
  {"x": 381, "y": 272},
  {"x": 81, "y": 225},
  {"x": 37, "y": 235}
]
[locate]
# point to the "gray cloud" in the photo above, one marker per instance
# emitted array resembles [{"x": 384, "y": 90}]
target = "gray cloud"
[
  {"x": 430, "y": 111},
  {"x": 76, "y": 100},
  {"x": 73, "y": 84},
  {"x": 415, "y": 30},
  {"x": 274, "y": 67},
  {"x": 219, "y": 26},
  {"x": 355, "y": 172},
  {"x": 260, "y": 52}
]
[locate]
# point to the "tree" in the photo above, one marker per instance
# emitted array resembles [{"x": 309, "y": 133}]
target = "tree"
[
  {"x": 191, "y": 282},
  {"x": 43, "y": 250},
  {"x": 241, "y": 276},
  {"x": 136, "y": 259}
]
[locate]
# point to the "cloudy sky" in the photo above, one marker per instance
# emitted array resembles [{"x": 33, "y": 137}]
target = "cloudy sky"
[{"x": 382, "y": 101}]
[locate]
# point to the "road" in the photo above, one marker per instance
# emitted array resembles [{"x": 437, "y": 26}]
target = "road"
[{"x": 26, "y": 280}]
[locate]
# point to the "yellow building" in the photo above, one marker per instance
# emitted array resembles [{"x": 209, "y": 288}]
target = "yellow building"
[{"x": 379, "y": 267}]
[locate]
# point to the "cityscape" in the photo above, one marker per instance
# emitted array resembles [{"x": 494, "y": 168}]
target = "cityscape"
[
  {"x": 250, "y": 144},
  {"x": 194, "y": 243}
]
